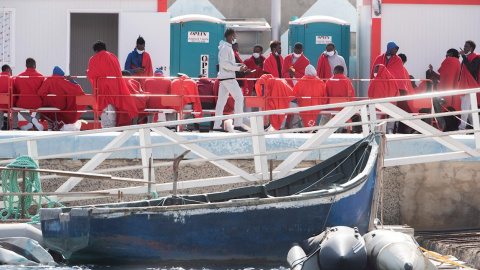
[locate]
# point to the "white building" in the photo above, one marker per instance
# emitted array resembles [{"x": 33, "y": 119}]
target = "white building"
[
  {"x": 423, "y": 29},
  {"x": 62, "y": 32}
]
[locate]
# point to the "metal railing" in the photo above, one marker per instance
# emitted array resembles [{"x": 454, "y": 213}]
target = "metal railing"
[{"x": 366, "y": 109}]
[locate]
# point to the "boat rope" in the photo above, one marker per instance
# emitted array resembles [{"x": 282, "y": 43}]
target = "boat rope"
[
  {"x": 338, "y": 165},
  {"x": 331, "y": 206},
  {"x": 444, "y": 259},
  {"x": 15, "y": 205}
]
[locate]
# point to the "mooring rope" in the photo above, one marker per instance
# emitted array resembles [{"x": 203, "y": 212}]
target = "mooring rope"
[{"x": 14, "y": 205}]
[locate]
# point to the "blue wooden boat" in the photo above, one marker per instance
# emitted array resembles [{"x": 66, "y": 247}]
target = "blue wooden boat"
[{"x": 243, "y": 225}]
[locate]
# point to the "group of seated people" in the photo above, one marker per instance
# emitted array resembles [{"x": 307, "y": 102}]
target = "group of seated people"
[
  {"x": 148, "y": 96},
  {"x": 31, "y": 92}
]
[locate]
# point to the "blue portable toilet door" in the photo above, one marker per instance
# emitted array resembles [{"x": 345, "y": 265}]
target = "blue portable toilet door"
[
  {"x": 199, "y": 49},
  {"x": 317, "y": 36}
]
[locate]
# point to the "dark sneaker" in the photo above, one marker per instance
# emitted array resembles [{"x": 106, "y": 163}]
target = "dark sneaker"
[
  {"x": 219, "y": 130},
  {"x": 240, "y": 129}
]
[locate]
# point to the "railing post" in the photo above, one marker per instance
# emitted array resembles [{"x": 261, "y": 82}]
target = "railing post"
[
  {"x": 364, "y": 118},
  {"x": 146, "y": 152},
  {"x": 95, "y": 102},
  {"x": 32, "y": 150},
  {"x": 258, "y": 143},
  {"x": 373, "y": 116},
  {"x": 10, "y": 106},
  {"x": 475, "y": 119}
]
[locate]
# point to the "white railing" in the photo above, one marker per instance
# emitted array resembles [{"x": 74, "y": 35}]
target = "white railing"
[{"x": 367, "y": 109}]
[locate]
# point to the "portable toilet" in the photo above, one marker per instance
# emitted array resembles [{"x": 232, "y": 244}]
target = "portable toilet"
[
  {"x": 194, "y": 41},
  {"x": 315, "y": 32}
]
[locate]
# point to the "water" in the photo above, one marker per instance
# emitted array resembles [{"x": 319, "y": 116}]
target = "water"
[{"x": 137, "y": 267}]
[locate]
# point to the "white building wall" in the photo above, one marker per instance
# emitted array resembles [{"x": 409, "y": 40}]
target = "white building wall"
[
  {"x": 41, "y": 28},
  {"x": 425, "y": 32}
]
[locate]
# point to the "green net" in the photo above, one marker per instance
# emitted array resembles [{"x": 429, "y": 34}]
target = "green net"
[{"x": 15, "y": 204}]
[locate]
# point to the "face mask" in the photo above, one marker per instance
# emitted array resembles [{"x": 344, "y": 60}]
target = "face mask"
[
  {"x": 276, "y": 53},
  {"x": 330, "y": 53},
  {"x": 256, "y": 55},
  {"x": 297, "y": 55},
  {"x": 234, "y": 41},
  {"x": 140, "y": 52},
  {"x": 374, "y": 75}
]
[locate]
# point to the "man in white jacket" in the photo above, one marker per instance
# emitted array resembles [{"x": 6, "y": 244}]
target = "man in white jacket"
[{"x": 228, "y": 84}]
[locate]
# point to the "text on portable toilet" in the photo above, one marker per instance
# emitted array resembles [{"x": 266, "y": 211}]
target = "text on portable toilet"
[
  {"x": 198, "y": 37},
  {"x": 204, "y": 64},
  {"x": 323, "y": 39}
]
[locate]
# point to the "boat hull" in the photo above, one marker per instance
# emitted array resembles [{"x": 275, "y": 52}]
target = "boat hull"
[
  {"x": 246, "y": 230},
  {"x": 240, "y": 230}
]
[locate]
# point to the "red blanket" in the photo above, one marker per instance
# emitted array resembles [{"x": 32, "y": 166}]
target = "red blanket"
[
  {"x": 323, "y": 67},
  {"x": 278, "y": 93},
  {"x": 29, "y": 88},
  {"x": 257, "y": 73},
  {"x": 134, "y": 88},
  {"x": 467, "y": 81},
  {"x": 5, "y": 82},
  {"x": 147, "y": 64},
  {"x": 188, "y": 88},
  {"x": 395, "y": 67},
  {"x": 471, "y": 57},
  {"x": 383, "y": 85},
  {"x": 299, "y": 66},
  {"x": 270, "y": 65},
  {"x": 111, "y": 91},
  {"x": 65, "y": 99},
  {"x": 157, "y": 86},
  {"x": 315, "y": 89},
  {"x": 449, "y": 73},
  {"x": 340, "y": 86}
]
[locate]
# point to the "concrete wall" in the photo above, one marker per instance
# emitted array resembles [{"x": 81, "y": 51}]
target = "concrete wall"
[{"x": 434, "y": 195}]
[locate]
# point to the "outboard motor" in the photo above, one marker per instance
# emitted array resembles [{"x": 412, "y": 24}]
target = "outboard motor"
[{"x": 334, "y": 249}]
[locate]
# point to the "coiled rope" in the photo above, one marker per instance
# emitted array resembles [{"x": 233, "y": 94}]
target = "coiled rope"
[{"x": 14, "y": 204}]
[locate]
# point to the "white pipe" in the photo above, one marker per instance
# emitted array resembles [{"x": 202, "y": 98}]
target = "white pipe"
[{"x": 276, "y": 19}]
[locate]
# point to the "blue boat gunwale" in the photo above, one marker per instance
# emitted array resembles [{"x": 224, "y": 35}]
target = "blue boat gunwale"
[{"x": 359, "y": 179}]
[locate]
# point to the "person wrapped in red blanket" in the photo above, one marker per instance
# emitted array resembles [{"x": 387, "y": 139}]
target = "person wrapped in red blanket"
[
  {"x": 186, "y": 87},
  {"x": 278, "y": 94},
  {"x": 394, "y": 64},
  {"x": 274, "y": 62},
  {"x": 26, "y": 85},
  {"x": 113, "y": 94},
  {"x": 157, "y": 86},
  {"x": 328, "y": 61},
  {"x": 139, "y": 98},
  {"x": 65, "y": 90},
  {"x": 6, "y": 83},
  {"x": 138, "y": 61},
  {"x": 310, "y": 91},
  {"x": 383, "y": 86},
  {"x": 255, "y": 65},
  {"x": 447, "y": 76},
  {"x": 339, "y": 89},
  {"x": 294, "y": 64}
]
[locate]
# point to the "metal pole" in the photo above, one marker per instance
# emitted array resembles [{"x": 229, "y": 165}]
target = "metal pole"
[
  {"x": 149, "y": 174},
  {"x": 176, "y": 163},
  {"x": 276, "y": 19},
  {"x": 23, "y": 196},
  {"x": 271, "y": 169}
]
